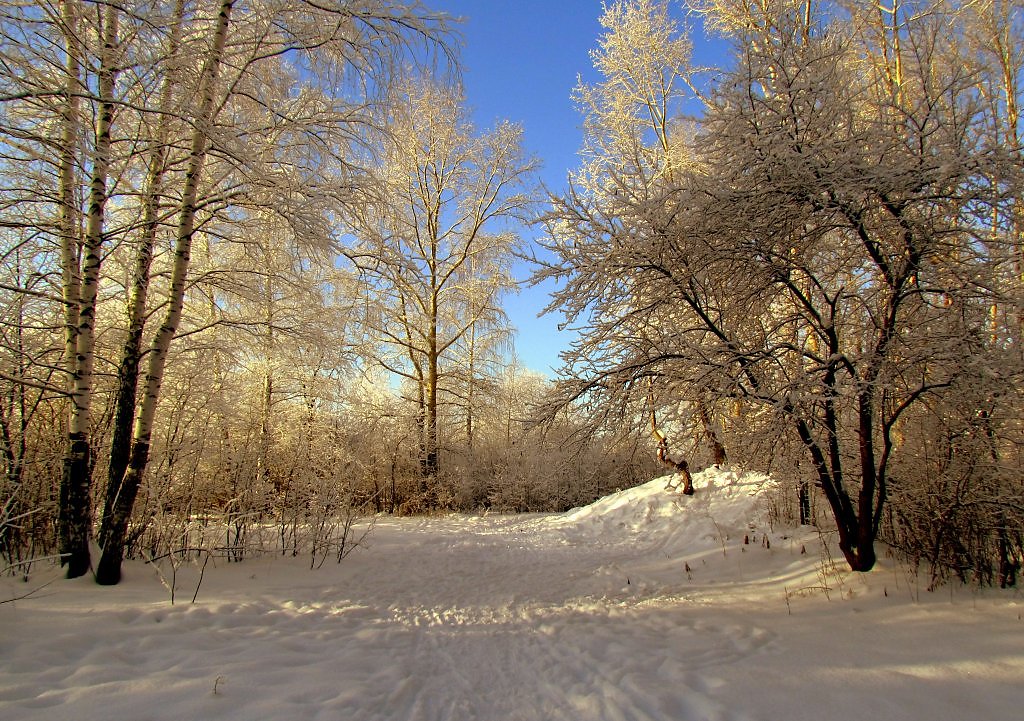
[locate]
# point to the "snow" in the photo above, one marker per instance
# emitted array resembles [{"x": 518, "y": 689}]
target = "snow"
[{"x": 646, "y": 605}]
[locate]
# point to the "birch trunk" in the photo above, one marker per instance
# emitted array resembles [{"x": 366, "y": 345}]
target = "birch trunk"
[
  {"x": 69, "y": 211},
  {"x": 75, "y": 506},
  {"x": 131, "y": 355},
  {"x": 433, "y": 361},
  {"x": 267, "y": 396},
  {"x": 109, "y": 570},
  {"x": 70, "y": 241}
]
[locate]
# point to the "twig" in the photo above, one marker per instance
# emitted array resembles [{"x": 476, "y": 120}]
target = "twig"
[{"x": 202, "y": 572}]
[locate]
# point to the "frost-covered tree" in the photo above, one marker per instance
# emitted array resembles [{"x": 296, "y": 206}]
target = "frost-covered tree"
[
  {"x": 329, "y": 43},
  {"x": 435, "y": 243},
  {"x": 65, "y": 104},
  {"x": 637, "y": 142},
  {"x": 129, "y": 132},
  {"x": 822, "y": 268}
]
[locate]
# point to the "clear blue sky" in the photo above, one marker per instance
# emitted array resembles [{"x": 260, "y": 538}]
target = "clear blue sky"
[{"x": 521, "y": 59}]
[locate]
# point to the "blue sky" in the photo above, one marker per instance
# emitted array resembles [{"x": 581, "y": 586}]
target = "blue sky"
[{"x": 521, "y": 59}]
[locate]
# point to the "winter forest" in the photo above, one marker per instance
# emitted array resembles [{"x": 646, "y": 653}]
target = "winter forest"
[{"x": 255, "y": 253}]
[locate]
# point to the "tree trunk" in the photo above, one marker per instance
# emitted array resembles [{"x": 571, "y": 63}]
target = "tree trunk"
[
  {"x": 711, "y": 434},
  {"x": 109, "y": 569},
  {"x": 804, "y": 493},
  {"x": 131, "y": 355},
  {"x": 421, "y": 419},
  {"x": 267, "y": 396},
  {"x": 12, "y": 459},
  {"x": 69, "y": 523},
  {"x": 680, "y": 466},
  {"x": 70, "y": 228},
  {"x": 15, "y": 447},
  {"x": 859, "y": 555},
  {"x": 432, "y": 464},
  {"x": 869, "y": 482},
  {"x": 470, "y": 387},
  {"x": 76, "y": 477},
  {"x": 1008, "y": 566}
]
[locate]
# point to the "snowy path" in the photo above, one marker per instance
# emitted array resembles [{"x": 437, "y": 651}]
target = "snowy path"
[
  {"x": 512, "y": 625},
  {"x": 577, "y": 617}
]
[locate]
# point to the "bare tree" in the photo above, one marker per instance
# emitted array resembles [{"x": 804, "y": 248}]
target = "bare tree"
[
  {"x": 109, "y": 569},
  {"x": 76, "y": 481},
  {"x": 432, "y": 245},
  {"x": 342, "y": 40},
  {"x": 783, "y": 271},
  {"x": 636, "y": 143},
  {"x": 157, "y": 162}
]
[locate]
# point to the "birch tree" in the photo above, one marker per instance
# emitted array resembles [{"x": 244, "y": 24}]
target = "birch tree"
[
  {"x": 77, "y": 162},
  {"x": 75, "y": 503},
  {"x": 152, "y": 194},
  {"x": 131, "y": 131},
  {"x": 334, "y": 42},
  {"x": 440, "y": 211},
  {"x": 109, "y": 569}
]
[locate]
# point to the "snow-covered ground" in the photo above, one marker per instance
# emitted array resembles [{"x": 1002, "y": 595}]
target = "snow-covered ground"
[{"x": 646, "y": 605}]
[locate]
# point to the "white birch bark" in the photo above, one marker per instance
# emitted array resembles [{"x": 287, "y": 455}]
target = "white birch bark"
[
  {"x": 69, "y": 211},
  {"x": 109, "y": 569},
  {"x": 76, "y": 515},
  {"x": 131, "y": 356}
]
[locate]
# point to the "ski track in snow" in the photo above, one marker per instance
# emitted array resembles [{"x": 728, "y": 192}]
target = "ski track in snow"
[
  {"x": 586, "y": 615},
  {"x": 497, "y": 637}
]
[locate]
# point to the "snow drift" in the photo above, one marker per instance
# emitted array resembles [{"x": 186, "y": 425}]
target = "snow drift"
[{"x": 728, "y": 504}]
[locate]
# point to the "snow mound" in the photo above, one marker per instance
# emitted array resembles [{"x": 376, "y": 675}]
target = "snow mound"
[{"x": 727, "y": 505}]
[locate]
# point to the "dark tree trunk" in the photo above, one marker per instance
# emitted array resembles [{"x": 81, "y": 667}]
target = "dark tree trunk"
[
  {"x": 805, "y": 503},
  {"x": 680, "y": 466},
  {"x": 856, "y": 537},
  {"x": 75, "y": 508},
  {"x": 108, "y": 571},
  {"x": 1008, "y": 566},
  {"x": 868, "y": 484},
  {"x": 717, "y": 449},
  {"x": 121, "y": 443}
]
